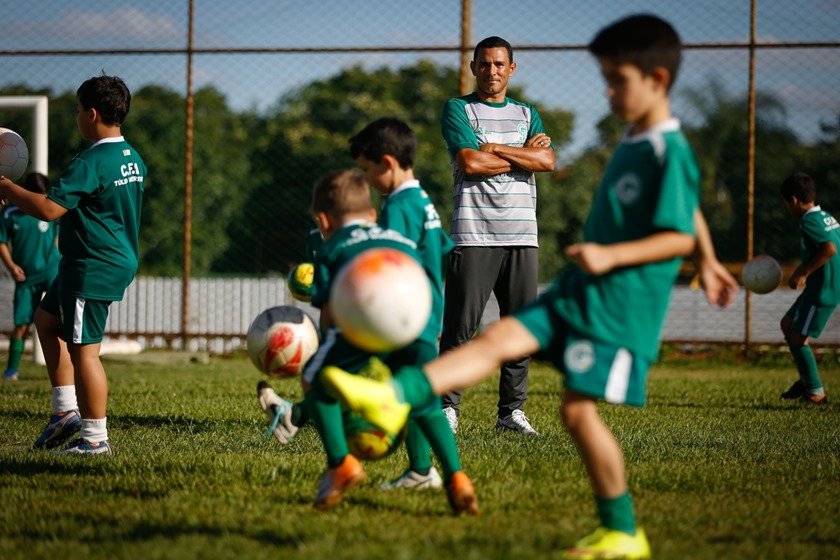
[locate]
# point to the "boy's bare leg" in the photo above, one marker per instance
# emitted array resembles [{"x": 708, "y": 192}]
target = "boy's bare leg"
[
  {"x": 596, "y": 445},
  {"x": 467, "y": 365},
  {"x": 59, "y": 365},
  {"x": 90, "y": 380}
]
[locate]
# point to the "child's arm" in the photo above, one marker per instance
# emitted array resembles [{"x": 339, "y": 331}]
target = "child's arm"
[
  {"x": 826, "y": 251},
  {"x": 720, "y": 286},
  {"x": 597, "y": 259},
  {"x": 34, "y": 204},
  {"x": 17, "y": 272}
]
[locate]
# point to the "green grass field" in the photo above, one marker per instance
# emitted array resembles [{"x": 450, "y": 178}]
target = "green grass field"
[{"x": 720, "y": 468}]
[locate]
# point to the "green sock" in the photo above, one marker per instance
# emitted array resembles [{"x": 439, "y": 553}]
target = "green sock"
[
  {"x": 432, "y": 422},
  {"x": 15, "y": 353},
  {"x": 617, "y": 513},
  {"x": 412, "y": 386},
  {"x": 806, "y": 364},
  {"x": 326, "y": 413},
  {"x": 417, "y": 446}
]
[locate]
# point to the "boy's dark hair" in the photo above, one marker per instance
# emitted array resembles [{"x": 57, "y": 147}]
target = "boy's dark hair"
[
  {"x": 340, "y": 193},
  {"x": 107, "y": 94},
  {"x": 37, "y": 183},
  {"x": 799, "y": 185},
  {"x": 644, "y": 40},
  {"x": 492, "y": 43},
  {"x": 387, "y": 135}
]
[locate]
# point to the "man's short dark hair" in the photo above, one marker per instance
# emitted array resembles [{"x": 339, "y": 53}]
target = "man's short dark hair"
[
  {"x": 108, "y": 95},
  {"x": 493, "y": 43},
  {"x": 799, "y": 185},
  {"x": 644, "y": 40},
  {"x": 388, "y": 135}
]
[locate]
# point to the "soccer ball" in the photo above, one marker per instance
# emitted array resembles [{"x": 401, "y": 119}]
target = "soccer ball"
[
  {"x": 14, "y": 155},
  {"x": 300, "y": 281},
  {"x": 366, "y": 441},
  {"x": 281, "y": 340},
  {"x": 762, "y": 274},
  {"x": 381, "y": 300}
]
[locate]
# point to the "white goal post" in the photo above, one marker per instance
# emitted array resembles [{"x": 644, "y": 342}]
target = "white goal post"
[{"x": 38, "y": 104}]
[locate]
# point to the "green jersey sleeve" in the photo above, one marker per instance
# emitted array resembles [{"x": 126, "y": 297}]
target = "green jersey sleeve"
[
  {"x": 455, "y": 127},
  {"x": 679, "y": 195},
  {"x": 78, "y": 180}
]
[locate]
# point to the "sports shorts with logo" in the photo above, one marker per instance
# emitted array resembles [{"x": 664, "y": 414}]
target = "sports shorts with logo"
[
  {"x": 82, "y": 320},
  {"x": 589, "y": 367},
  {"x": 808, "y": 317}
]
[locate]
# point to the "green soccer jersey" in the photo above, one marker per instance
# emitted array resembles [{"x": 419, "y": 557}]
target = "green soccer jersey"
[
  {"x": 409, "y": 211},
  {"x": 32, "y": 244},
  {"x": 102, "y": 191},
  {"x": 818, "y": 227},
  {"x": 650, "y": 185},
  {"x": 351, "y": 240}
]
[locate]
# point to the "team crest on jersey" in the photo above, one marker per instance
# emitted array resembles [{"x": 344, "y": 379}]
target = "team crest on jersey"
[
  {"x": 43, "y": 227},
  {"x": 522, "y": 129},
  {"x": 579, "y": 356},
  {"x": 628, "y": 188}
]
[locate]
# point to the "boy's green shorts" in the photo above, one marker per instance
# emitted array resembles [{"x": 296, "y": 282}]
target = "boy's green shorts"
[
  {"x": 82, "y": 320},
  {"x": 26, "y": 301},
  {"x": 589, "y": 367},
  {"x": 808, "y": 317}
]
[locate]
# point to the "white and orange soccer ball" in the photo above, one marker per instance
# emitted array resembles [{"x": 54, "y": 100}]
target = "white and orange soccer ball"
[
  {"x": 14, "y": 155},
  {"x": 381, "y": 300},
  {"x": 281, "y": 340},
  {"x": 762, "y": 274}
]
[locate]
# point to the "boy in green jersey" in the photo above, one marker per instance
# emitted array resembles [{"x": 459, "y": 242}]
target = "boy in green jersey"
[
  {"x": 342, "y": 210},
  {"x": 32, "y": 262},
  {"x": 385, "y": 151},
  {"x": 600, "y": 322},
  {"x": 818, "y": 276},
  {"x": 98, "y": 199}
]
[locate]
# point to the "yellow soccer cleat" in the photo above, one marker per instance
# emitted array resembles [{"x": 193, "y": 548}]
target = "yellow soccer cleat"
[
  {"x": 607, "y": 543},
  {"x": 374, "y": 401}
]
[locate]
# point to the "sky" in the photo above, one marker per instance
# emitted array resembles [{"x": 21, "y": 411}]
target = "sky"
[{"x": 808, "y": 81}]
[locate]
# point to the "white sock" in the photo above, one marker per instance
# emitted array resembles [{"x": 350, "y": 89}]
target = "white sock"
[
  {"x": 94, "y": 430},
  {"x": 63, "y": 398}
]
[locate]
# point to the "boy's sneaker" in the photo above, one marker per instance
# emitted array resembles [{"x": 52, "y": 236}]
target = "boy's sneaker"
[
  {"x": 815, "y": 399},
  {"x": 335, "y": 482},
  {"x": 451, "y": 417},
  {"x": 415, "y": 480},
  {"x": 59, "y": 429},
  {"x": 461, "y": 494},
  {"x": 796, "y": 391},
  {"x": 84, "y": 447},
  {"x": 375, "y": 401},
  {"x": 516, "y": 422},
  {"x": 279, "y": 412},
  {"x": 607, "y": 543},
  {"x": 11, "y": 375}
]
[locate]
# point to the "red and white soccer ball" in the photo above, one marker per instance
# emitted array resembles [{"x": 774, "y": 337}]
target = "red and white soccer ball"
[
  {"x": 14, "y": 155},
  {"x": 281, "y": 340},
  {"x": 381, "y": 300},
  {"x": 762, "y": 274}
]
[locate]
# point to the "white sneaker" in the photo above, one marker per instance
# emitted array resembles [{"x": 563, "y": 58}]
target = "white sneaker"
[
  {"x": 451, "y": 417},
  {"x": 516, "y": 422},
  {"x": 279, "y": 412},
  {"x": 415, "y": 480}
]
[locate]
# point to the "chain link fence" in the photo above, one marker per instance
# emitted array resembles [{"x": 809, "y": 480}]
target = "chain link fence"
[{"x": 262, "y": 97}]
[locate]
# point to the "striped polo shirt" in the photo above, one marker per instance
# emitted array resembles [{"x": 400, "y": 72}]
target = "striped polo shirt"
[{"x": 497, "y": 210}]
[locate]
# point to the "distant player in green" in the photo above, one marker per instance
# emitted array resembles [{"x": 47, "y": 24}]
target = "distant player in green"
[
  {"x": 341, "y": 207},
  {"x": 600, "y": 322},
  {"x": 32, "y": 262},
  {"x": 98, "y": 199},
  {"x": 819, "y": 275},
  {"x": 385, "y": 150}
]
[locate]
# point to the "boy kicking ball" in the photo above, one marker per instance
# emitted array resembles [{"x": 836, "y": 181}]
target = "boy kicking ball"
[{"x": 601, "y": 321}]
